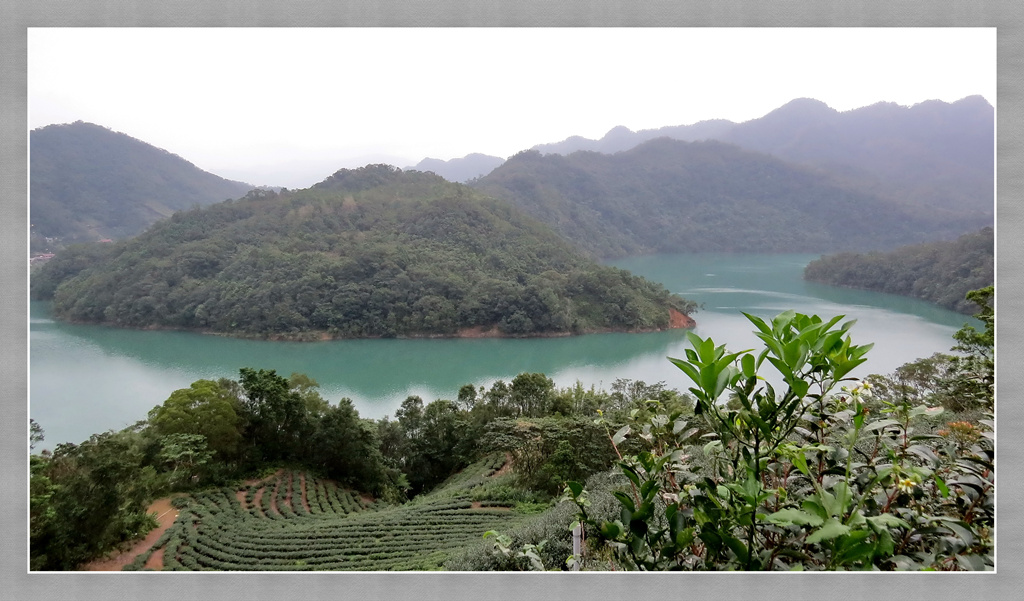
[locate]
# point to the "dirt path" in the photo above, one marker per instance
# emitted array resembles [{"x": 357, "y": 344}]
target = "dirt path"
[
  {"x": 273, "y": 496},
  {"x": 305, "y": 496},
  {"x": 506, "y": 466},
  {"x": 166, "y": 516}
]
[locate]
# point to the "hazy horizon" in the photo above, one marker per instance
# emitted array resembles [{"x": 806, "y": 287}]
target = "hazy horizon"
[{"x": 288, "y": 107}]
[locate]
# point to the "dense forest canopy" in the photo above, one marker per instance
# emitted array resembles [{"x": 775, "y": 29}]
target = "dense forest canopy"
[
  {"x": 940, "y": 272},
  {"x": 88, "y": 182},
  {"x": 367, "y": 252},
  {"x": 672, "y": 196}
]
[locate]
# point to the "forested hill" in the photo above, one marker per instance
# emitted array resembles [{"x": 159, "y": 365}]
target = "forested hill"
[
  {"x": 673, "y": 196},
  {"x": 89, "y": 183},
  {"x": 368, "y": 252},
  {"x": 935, "y": 153},
  {"x": 939, "y": 272}
]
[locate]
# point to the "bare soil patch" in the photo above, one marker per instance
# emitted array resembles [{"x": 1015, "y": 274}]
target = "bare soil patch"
[
  {"x": 156, "y": 560},
  {"x": 273, "y": 498},
  {"x": 506, "y": 467},
  {"x": 165, "y": 517},
  {"x": 257, "y": 501},
  {"x": 479, "y": 505},
  {"x": 677, "y": 319}
]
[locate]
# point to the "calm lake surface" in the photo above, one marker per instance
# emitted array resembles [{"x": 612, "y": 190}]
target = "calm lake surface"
[{"x": 87, "y": 379}]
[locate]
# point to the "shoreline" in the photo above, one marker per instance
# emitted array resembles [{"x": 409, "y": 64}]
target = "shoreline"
[{"x": 677, "y": 320}]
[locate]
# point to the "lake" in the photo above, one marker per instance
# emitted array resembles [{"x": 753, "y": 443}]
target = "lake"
[{"x": 85, "y": 379}]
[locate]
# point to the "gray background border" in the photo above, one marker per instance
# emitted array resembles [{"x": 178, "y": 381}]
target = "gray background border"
[{"x": 17, "y": 16}]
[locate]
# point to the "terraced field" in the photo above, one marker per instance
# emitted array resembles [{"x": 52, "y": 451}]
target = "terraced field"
[{"x": 293, "y": 521}]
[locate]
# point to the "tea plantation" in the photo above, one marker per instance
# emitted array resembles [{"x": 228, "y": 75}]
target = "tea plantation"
[{"x": 296, "y": 521}]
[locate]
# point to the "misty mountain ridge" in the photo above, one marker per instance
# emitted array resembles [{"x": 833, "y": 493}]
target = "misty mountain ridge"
[
  {"x": 933, "y": 153},
  {"x": 460, "y": 170},
  {"x": 88, "y": 182}
]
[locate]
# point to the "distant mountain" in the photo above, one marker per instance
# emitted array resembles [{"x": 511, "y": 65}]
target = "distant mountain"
[
  {"x": 461, "y": 170},
  {"x": 370, "y": 252},
  {"x": 939, "y": 272},
  {"x": 88, "y": 182},
  {"x": 934, "y": 153},
  {"x": 621, "y": 138},
  {"x": 673, "y": 196}
]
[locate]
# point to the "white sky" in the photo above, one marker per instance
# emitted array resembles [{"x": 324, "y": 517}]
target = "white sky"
[{"x": 291, "y": 106}]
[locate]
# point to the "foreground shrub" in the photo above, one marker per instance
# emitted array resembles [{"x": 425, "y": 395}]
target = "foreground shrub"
[{"x": 805, "y": 477}]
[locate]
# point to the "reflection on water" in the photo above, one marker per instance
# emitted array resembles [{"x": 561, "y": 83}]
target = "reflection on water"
[{"x": 86, "y": 379}]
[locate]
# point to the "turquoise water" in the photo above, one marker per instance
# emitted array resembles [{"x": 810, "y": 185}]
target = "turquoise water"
[{"x": 86, "y": 379}]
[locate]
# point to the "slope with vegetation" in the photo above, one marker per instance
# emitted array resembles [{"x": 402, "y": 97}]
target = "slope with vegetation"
[
  {"x": 366, "y": 253},
  {"x": 939, "y": 272},
  {"x": 88, "y": 182},
  {"x": 672, "y": 196}
]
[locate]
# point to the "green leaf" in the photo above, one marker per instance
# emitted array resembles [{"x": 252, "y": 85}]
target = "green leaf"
[
  {"x": 649, "y": 489},
  {"x": 786, "y": 517},
  {"x": 878, "y": 425},
  {"x": 619, "y": 436},
  {"x": 942, "y": 486},
  {"x": 800, "y": 461},
  {"x": 611, "y": 530},
  {"x": 706, "y": 351},
  {"x": 625, "y": 500},
  {"x": 643, "y": 513},
  {"x": 925, "y": 453},
  {"x": 886, "y": 520},
  {"x": 575, "y": 487},
  {"x": 630, "y": 473},
  {"x": 708, "y": 380},
  {"x": 832, "y": 505},
  {"x": 812, "y": 506},
  {"x": 687, "y": 368},
  {"x": 958, "y": 527},
  {"x": 747, "y": 363},
  {"x": 828, "y": 531},
  {"x": 736, "y": 545},
  {"x": 684, "y": 538},
  {"x": 759, "y": 323}
]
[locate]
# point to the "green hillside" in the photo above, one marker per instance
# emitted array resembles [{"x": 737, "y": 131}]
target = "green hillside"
[
  {"x": 938, "y": 272},
  {"x": 88, "y": 182},
  {"x": 673, "y": 196},
  {"x": 366, "y": 253}
]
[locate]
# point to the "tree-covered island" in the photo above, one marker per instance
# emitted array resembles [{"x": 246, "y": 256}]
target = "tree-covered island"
[{"x": 370, "y": 252}]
